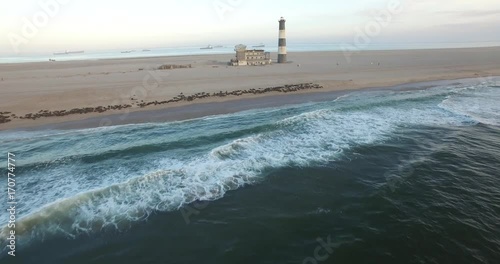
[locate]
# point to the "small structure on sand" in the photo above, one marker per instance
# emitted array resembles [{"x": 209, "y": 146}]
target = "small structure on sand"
[{"x": 250, "y": 57}]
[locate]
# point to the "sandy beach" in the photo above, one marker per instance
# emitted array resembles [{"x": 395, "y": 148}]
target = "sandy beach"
[{"x": 54, "y": 86}]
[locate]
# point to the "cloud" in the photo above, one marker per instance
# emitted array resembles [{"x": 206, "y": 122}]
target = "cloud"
[
  {"x": 471, "y": 13},
  {"x": 124, "y": 24}
]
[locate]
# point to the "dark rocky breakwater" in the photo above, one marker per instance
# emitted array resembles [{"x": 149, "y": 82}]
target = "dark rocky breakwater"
[{"x": 6, "y": 117}]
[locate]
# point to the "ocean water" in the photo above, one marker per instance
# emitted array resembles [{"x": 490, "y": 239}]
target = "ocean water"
[
  {"x": 382, "y": 176},
  {"x": 229, "y": 49}
]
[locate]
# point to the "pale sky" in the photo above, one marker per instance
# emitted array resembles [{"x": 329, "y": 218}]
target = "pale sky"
[{"x": 123, "y": 24}]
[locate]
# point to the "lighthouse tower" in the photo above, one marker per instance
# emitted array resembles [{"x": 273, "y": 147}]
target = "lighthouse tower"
[{"x": 282, "y": 42}]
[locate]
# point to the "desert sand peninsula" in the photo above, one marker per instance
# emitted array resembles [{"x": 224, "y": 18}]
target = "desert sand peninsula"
[{"x": 40, "y": 93}]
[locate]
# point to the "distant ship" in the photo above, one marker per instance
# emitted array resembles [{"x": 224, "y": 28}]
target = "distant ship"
[
  {"x": 127, "y": 51},
  {"x": 146, "y": 50},
  {"x": 208, "y": 47},
  {"x": 68, "y": 52},
  {"x": 261, "y": 45},
  {"x": 218, "y": 46}
]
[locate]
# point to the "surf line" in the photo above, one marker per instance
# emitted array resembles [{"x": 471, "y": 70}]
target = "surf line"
[{"x": 11, "y": 203}]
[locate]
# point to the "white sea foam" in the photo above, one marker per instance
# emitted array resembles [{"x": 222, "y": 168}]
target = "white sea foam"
[
  {"x": 313, "y": 138},
  {"x": 342, "y": 97},
  {"x": 482, "y": 105}
]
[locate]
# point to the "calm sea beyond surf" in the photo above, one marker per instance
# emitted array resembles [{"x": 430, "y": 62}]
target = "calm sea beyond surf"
[{"x": 374, "y": 176}]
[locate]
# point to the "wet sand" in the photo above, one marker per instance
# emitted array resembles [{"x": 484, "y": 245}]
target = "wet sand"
[
  {"x": 200, "y": 110},
  {"x": 54, "y": 86}
]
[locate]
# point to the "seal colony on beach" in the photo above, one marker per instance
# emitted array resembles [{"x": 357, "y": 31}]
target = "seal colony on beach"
[
  {"x": 77, "y": 90},
  {"x": 6, "y": 117}
]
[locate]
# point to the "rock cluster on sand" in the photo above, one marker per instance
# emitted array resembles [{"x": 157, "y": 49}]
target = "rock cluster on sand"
[
  {"x": 85, "y": 110},
  {"x": 6, "y": 117},
  {"x": 174, "y": 66},
  {"x": 282, "y": 89}
]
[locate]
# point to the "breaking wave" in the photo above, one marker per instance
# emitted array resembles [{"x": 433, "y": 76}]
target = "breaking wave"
[
  {"x": 132, "y": 182},
  {"x": 482, "y": 105}
]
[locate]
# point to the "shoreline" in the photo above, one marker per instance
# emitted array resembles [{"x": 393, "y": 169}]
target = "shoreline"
[
  {"x": 201, "y": 108},
  {"x": 230, "y": 53},
  {"x": 98, "y": 89},
  {"x": 6, "y": 117}
]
